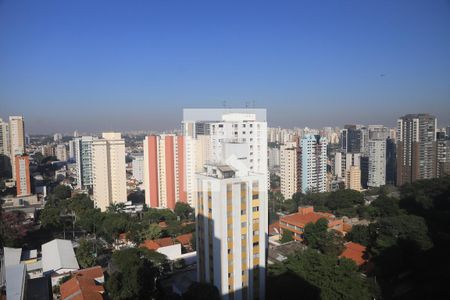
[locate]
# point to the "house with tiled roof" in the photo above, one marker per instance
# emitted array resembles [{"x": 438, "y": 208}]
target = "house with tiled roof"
[
  {"x": 81, "y": 287},
  {"x": 95, "y": 273},
  {"x": 84, "y": 284},
  {"x": 185, "y": 240},
  {"x": 274, "y": 228},
  {"x": 355, "y": 252},
  {"x": 164, "y": 246},
  {"x": 296, "y": 222}
]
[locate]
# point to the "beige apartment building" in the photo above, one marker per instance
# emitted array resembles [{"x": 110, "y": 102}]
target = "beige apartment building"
[
  {"x": 108, "y": 169},
  {"x": 353, "y": 178},
  {"x": 16, "y": 138},
  {"x": 289, "y": 169}
]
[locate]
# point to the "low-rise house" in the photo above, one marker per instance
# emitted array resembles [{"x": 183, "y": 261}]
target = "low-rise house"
[
  {"x": 355, "y": 252},
  {"x": 164, "y": 246},
  {"x": 274, "y": 228},
  {"x": 281, "y": 252},
  {"x": 123, "y": 242},
  {"x": 185, "y": 241},
  {"x": 58, "y": 259},
  {"x": 82, "y": 286},
  {"x": 296, "y": 222},
  {"x": 95, "y": 273},
  {"x": 29, "y": 258}
]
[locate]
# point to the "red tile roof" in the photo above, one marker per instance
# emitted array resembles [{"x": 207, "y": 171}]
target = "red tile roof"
[
  {"x": 156, "y": 244},
  {"x": 184, "y": 239},
  {"x": 164, "y": 242},
  {"x": 355, "y": 252},
  {"x": 81, "y": 288},
  {"x": 301, "y": 220},
  {"x": 274, "y": 228},
  {"x": 150, "y": 245},
  {"x": 93, "y": 272},
  {"x": 347, "y": 227}
]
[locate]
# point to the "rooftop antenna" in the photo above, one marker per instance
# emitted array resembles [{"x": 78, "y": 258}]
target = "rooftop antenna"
[
  {"x": 246, "y": 104},
  {"x": 224, "y": 104}
]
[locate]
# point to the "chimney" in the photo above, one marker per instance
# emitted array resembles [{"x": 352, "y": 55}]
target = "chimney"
[{"x": 303, "y": 210}]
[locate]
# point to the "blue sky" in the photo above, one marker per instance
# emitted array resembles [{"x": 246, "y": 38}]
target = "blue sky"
[{"x": 97, "y": 65}]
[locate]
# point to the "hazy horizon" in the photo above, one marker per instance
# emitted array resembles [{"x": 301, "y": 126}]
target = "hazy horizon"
[{"x": 94, "y": 66}]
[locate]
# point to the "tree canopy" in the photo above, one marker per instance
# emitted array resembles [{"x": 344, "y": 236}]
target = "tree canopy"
[
  {"x": 320, "y": 276},
  {"x": 286, "y": 236},
  {"x": 183, "y": 210},
  {"x": 134, "y": 274},
  {"x": 360, "y": 234},
  {"x": 317, "y": 236},
  {"x": 12, "y": 228},
  {"x": 87, "y": 252}
]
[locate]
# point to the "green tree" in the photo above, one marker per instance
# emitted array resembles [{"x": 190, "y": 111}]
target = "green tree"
[
  {"x": 385, "y": 206},
  {"x": 113, "y": 224},
  {"x": 202, "y": 291},
  {"x": 87, "y": 253},
  {"x": 360, "y": 234},
  {"x": 115, "y": 208},
  {"x": 12, "y": 228},
  {"x": 154, "y": 215},
  {"x": 276, "y": 200},
  {"x": 328, "y": 276},
  {"x": 345, "y": 202},
  {"x": 183, "y": 210},
  {"x": 332, "y": 243},
  {"x": 317, "y": 236},
  {"x": 50, "y": 218},
  {"x": 90, "y": 220},
  {"x": 134, "y": 275},
  {"x": 153, "y": 231},
  {"x": 80, "y": 203},
  {"x": 408, "y": 230},
  {"x": 290, "y": 206},
  {"x": 61, "y": 192},
  {"x": 286, "y": 236},
  {"x": 314, "y": 232}
]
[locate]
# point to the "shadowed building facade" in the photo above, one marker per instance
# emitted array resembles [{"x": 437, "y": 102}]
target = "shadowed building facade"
[{"x": 416, "y": 148}]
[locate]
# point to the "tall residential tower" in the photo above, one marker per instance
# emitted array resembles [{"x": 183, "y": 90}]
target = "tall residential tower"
[
  {"x": 108, "y": 170},
  {"x": 313, "y": 163},
  {"x": 416, "y": 148},
  {"x": 164, "y": 170}
]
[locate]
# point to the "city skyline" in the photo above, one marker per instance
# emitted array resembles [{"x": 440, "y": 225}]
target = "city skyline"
[
  {"x": 30, "y": 129},
  {"x": 134, "y": 66}
]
